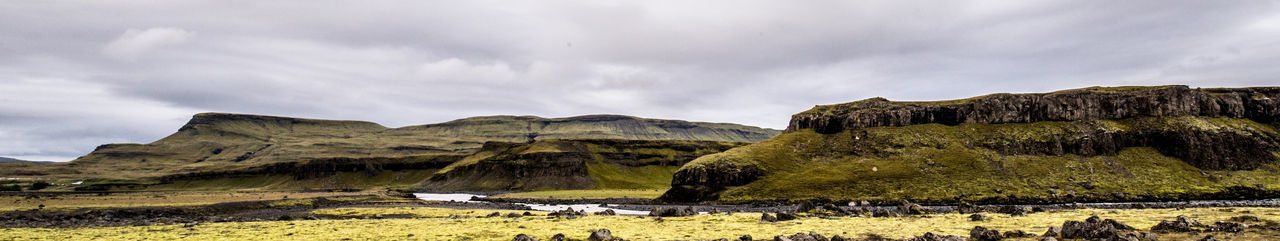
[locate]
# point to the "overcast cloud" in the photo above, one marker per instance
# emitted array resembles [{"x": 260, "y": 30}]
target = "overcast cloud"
[{"x": 77, "y": 74}]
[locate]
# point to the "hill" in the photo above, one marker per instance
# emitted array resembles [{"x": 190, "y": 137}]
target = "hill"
[
  {"x": 278, "y": 152},
  {"x": 1092, "y": 144},
  {"x": 15, "y": 160}
]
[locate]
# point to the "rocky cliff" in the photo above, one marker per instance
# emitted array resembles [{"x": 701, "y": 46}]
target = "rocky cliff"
[
  {"x": 1261, "y": 104},
  {"x": 1125, "y": 143}
]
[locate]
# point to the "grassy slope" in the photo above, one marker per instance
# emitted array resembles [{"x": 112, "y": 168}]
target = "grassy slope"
[
  {"x": 888, "y": 163},
  {"x": 653, "y": 162},
  {"x": 222, "y": 142}
]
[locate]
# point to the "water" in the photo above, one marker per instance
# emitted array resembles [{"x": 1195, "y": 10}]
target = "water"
[{"x": 590, "y": 208}]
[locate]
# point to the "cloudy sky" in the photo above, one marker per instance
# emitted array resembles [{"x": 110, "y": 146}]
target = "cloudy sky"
[{"x": 77, "y": 74}]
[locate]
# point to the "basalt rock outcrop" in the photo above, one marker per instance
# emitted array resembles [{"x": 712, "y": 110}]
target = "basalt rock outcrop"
[
  {"x": 1092, "y": 144},
  {"x": 1260, "y": 104}
]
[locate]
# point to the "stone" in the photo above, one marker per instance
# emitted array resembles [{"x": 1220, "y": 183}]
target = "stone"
[
  {"x": 558, "y": 237},
  {"x": 786, "y": 216},
  {"x": 768, "y": 218},
  {"x": 523, "y": 237},
  {"x": 977, "y": 217},
  {"x": 1228, "y": 227},
  {"x": 935, "y": 237},
  {"x": 745, "y": 238},
  {"x": 600, "y": 235},
  {"x": 1053, "y": 232},
  {"x": 980, "y": 233}
]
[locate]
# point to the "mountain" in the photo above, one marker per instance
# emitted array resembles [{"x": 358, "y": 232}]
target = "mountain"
[
  {"x": 238, "y": 143},
  {"x": 1091, "y": 144},
  {"x": 14, "y": 160}
]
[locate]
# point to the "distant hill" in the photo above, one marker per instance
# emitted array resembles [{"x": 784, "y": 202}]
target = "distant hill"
[
  {"x": 1091, "y": 144},
  {"x": 14, "y": 160},
  {"x": 212, "y": 142}
]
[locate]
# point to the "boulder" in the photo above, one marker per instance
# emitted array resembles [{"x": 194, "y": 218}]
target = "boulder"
[
  {"x": 493, "y": 215},
  {"x": 786, "y": 216},
  {"x": 671, "y": 212},
  {"x": 838, "y": 238},
  {"x": 935, "y": 237},
  {"x": 1018, "y": 234},
  {"x": 1208, "y": 238},
  {"x": 523, "y": 237},
  {"x": 805, "y": 206},
  {"x": 1094, "y": 228},
  {"x": 745, "y": 238},
  {"x": 980, "y": 233},
  {"x": 558, "y": 237},
  {"x": 1053, "y": 232},
  {"x": 1227, "y": 227},
  {"x": 909, "y": 208},
  {"x": 768, "y": 218},
  {"x": 977, "y": 217},
  {"x": 1181, "y": 225},
  {"x": 600, "y": 235},
  {"x": 606, "y": 212}
]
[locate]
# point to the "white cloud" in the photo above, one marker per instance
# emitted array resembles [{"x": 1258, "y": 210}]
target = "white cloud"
[{"x": 134, "y": 43}]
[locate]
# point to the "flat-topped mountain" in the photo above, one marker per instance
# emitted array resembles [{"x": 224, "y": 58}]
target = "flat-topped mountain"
[
  {"x": 1116, "y": 143},
  {"x": 212, "y": 142}
]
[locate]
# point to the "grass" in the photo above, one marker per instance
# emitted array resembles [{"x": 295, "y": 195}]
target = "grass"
[
  {"x": 588, "y": 194},
  {"x": 934, "y": 162},
  {"x": 434, "y": 224},
  {"x": 153, "y": 199}
]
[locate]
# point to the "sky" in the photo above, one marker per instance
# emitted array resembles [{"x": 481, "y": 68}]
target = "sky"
[{"x": 75, "y": 74}]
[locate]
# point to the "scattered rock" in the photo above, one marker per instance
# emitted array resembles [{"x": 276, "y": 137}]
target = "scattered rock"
[
  {"x": 1094, "y": 228},
  {"x": 1182, "y": 224},
  {"x": 818, "y": 237},
  {"x": 838, "y": 238},
  {"x": 786, "y": 216},
  {"x": 935, "y": 237},
  {"x": 1228, "y": 227},
  {"x": 523, "y": 237},
  {"x": 881, "y": 213},
  {"x": 600, "y": 235},
  {"x": 558, "y": 237},
  {"x": 672, "y": 212},
  {"x": 1148, "y": 236},
  {"x": 1012, "y": 210},
  {"x": 1018, "y": 234},
  {"x": 1208, "y": 238},
  {"x": 514, "y": 215},
  {"x": 1053, "y": 232},
  {"x": 745, "y": 237},
  {"x": 805, "y": 206},
  {"x": 977, "y": 217},
  {"x": 981, "y": 233},
  {"x": 493, "y": 215},
  {"x": 768, "y": 218},
  {"x": 607, "y": 212},
  {"x": 909, "y": 208}
]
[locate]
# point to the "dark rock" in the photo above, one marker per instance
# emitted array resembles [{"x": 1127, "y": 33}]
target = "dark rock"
[
  {"x": 802, "y": 237},
  {"x": 493, "y": 215},
  {"x": 935, "y": 237},
  {"x": 558, "y": 237},
  {"x": 1228, "y": 227},
  {"x": 1017, "y": 234},
  {"x": 818, "y": 237},
  {"x": 1148, "y": 236},
  {"x": 1094, "y": 228},
  {"x": 1181, "y": 225},
  {"x": 1208, "y": 238},
  {"x": 514, "y": 215},
  {"x": 786, "y": 216},
  {"x": 607, "y": 212},
  {"x": 523, "y": 237},
  {"x": 977, "y": 217},
  {"x": 768, "y": 218},
  {"x": 885, "y": 213},
  {"x": 805, "y": 206},
  {"x": 909, "y": 208},
  {"x": 745, "y": 238},
  {"x": 671, "y": 212},
  {"x": 1053, "y": 232},
  {"x": 838, "y": 238},
  {"x": 835, "y": 210},
  {"x": 980, "y": 233},
  {"x": 1012, "y": 210},
  {"x": 781, "y": 238},
  {"x": 600, "y": 235}
]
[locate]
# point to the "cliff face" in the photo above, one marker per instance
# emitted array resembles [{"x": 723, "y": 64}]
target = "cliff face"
[
  {"x": 1260, "y": 104},
  {"x": 572, "y": 164},
  {"x": 1137, "y": 142}
]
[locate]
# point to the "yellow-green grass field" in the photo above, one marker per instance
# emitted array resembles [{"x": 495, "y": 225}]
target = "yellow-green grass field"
[
  {"x": 152, "y": 199},
  {"x": 434, "y": 224},
  {"x": 588, "y": 194}
]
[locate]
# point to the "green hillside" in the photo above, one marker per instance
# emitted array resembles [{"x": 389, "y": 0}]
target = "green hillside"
[{"x": 1144, "y": 157}]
